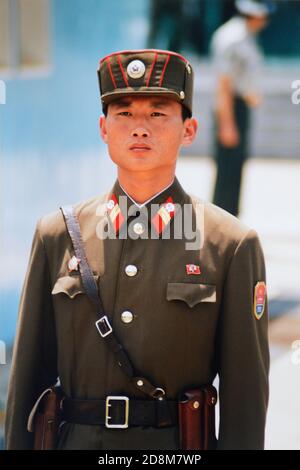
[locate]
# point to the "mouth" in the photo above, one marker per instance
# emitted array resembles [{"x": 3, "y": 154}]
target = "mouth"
[{"x": 139, "y": 148}]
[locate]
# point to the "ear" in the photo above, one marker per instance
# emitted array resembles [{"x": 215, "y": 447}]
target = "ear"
[
  {"x": 189, "y": 131},
  {"x": 103, "y": 130}
]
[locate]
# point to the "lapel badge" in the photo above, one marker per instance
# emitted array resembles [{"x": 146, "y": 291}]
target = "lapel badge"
[
  {"x": 73, "y": 264},
  {"x": 192, "y": 269},
  {"x": 259, "y": 303}
]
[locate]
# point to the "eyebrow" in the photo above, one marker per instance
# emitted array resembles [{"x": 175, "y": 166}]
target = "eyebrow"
[
  {"x": 121, "y": 103},
  {"x": 160, "y": 104}
]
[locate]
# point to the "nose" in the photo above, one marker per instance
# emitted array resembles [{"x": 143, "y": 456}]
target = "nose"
[{"x": 140, "y": 132}]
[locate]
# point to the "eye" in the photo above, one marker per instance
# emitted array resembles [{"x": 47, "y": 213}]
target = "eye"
[
  {"x": 124, "y": 113},
  {"x": 157, "y": 114}
]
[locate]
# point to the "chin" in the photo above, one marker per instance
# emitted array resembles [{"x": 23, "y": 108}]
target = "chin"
[{"x": 137, "y": 165}]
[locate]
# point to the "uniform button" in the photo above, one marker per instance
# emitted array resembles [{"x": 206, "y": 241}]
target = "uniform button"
[
  {"x": 126, "y": 316},
  {"x": 138, "y": 228},
  {"x": 131, "y": 270}
]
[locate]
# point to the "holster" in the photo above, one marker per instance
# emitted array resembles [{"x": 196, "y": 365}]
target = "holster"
[
  {"x": 196, "y": 415},
  {"x": 45, "y": 419}
]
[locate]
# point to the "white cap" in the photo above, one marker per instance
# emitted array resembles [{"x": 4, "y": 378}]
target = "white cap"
[{"x": 255, "y": 8}]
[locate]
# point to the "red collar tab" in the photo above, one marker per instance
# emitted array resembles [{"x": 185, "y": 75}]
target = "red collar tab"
[
  {"x": 114, "y": 213},
  {"x": 164, "y": 215},
  {"x": 160, "y": 220}
]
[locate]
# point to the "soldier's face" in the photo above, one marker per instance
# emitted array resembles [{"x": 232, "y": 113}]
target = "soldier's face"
[{"x": 146, "y": 133}]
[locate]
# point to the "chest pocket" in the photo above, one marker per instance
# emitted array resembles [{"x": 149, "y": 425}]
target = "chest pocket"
[
  {"x": 191, "y": 294},
  {"x": 70, "y": 285}
]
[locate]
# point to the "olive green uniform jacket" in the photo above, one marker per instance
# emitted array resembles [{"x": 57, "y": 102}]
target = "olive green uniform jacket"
[{"x": 186, "y": 328}]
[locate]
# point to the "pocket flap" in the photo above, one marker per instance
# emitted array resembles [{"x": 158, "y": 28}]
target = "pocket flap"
[
  {"x": 191, "y": 293},
  {"x": 70, "y": 285}
]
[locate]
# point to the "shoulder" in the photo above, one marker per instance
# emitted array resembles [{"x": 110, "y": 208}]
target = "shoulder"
[
  {"x": 221, "y": 228},
  {"x": 52, "y": 225},
  {"x": 229, "y": 35}
]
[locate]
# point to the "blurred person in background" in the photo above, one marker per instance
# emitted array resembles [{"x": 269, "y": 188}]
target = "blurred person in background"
[{"x": 237, "y": 60}]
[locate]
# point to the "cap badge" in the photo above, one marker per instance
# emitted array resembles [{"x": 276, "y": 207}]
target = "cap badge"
[{"x": 136, "y": 69}]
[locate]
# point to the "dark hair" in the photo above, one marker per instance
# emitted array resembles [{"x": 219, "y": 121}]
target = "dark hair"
[{"x": 185, "y": 113}]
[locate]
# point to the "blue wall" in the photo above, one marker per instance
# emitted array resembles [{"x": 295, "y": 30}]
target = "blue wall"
[{"x": 50, "y": 149}]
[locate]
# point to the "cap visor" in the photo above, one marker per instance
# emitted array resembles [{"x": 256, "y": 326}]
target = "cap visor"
[{"x": 116, "y": 94}]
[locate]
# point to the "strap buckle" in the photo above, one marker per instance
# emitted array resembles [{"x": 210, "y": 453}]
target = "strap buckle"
[
  {"x": 103, "y": 326},
  {"x": 126, "y": 412}
]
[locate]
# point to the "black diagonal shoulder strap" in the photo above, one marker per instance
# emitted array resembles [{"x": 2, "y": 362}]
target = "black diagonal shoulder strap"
[
  {"x": 87, "y": 277},
  {"x": 103, "y": 324}
]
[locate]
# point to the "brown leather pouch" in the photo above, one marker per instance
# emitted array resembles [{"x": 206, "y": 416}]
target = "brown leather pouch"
[
  {"x": 45, "y": 419},
  {"x": 196, "y": 415}
]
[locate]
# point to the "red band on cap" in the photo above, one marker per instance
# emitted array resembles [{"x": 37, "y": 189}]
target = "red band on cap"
[
  {"x": 139, "y": 51},
  {"x": 152, "y": 67},
  {"x": 122, "y": 70},
  {"x": 110, "y": 72},
  {"x": 164, "y": 70}
]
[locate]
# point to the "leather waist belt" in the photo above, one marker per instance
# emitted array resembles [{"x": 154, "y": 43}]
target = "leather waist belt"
[{"x": 121, "y": 412}]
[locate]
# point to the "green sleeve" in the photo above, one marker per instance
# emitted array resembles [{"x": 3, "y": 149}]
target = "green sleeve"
[
  {"x": 243, "y": 351},
  {"x": 34, "y": 364}
]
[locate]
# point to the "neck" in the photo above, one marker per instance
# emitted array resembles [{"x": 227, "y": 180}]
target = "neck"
[{"x": 142, "y": 186}]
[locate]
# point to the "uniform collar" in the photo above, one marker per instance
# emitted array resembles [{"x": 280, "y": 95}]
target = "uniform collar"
[
  {"x": 150, "y": 198},
  {"x": 166, "y": 201}
]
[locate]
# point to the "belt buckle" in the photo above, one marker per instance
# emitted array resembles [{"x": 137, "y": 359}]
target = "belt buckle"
[
  {"x": 107, "y": 417},
  {"x": 103, "y": 326}
]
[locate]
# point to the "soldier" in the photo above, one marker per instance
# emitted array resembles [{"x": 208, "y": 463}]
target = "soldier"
[
  {"x": 237, "y": 59},
  {"x": 182, "y": 313}
]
